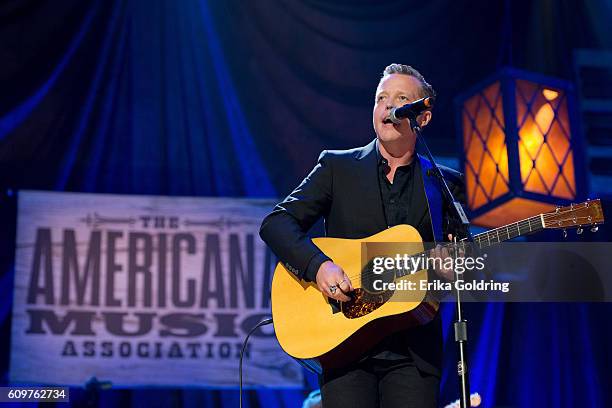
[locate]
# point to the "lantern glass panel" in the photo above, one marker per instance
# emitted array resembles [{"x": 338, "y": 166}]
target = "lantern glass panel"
[
  {"x": 546, "y": 160},
  {"x": 485, "y": 147}
]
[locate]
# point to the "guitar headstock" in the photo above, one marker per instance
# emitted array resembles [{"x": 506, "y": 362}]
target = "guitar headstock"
[{"x": 588, "y": 213}]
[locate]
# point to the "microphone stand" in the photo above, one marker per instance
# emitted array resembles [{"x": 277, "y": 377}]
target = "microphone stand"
[{"x": 460, "y": 324}]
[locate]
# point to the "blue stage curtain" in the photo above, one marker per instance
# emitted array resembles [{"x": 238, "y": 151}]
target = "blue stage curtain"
[{"x": 237, "y": 98}]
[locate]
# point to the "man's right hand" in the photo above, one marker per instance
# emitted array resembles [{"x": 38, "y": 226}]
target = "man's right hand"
[{"x": 331, "y": 275}]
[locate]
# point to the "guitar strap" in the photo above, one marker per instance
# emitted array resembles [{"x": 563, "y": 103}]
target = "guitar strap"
[{"x": 434, "y": 197}]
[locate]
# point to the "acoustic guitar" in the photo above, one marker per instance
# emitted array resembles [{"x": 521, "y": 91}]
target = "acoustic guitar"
[{"x": 309, "y": 325}]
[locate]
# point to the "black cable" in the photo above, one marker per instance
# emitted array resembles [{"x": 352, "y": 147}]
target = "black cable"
[{"x": 244, "y": 344}]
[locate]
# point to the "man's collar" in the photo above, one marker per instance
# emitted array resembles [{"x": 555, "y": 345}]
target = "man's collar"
[
  {"x": 362, "y": 152},
  {"x": 382, "y": 161},
  {"x": 379, "y": 156}
]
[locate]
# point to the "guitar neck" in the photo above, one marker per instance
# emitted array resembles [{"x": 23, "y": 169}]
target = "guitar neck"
[
  {"x": 573, "y": 216},
  {"x": 494, "y": 236},
  {"x": 510, "y": 231}
]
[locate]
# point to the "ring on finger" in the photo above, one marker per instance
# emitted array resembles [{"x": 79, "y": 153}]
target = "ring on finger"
[{"x": 333, "y": 288}]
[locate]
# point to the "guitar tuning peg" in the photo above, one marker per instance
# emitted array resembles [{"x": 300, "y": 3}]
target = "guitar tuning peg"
[
  {"x": 579, "y": 231},
  {"x": 594, "y": 228},
  {"x": 564, "y": 233}
]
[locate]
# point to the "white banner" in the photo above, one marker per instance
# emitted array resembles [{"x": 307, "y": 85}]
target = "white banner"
[{"x": 143, "y": 290}]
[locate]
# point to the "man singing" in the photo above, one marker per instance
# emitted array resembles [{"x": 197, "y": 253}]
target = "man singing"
[{"x": 360, "y": 192}]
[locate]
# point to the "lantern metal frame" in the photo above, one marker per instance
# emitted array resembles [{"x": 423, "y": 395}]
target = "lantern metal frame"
[{"x": 507, "y": 78}]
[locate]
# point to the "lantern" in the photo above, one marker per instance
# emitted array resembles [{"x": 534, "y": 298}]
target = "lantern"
[{"x": 521, "y": 150}]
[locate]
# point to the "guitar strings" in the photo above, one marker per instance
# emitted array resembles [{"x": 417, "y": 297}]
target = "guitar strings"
[{"x": 517, "y": 225}]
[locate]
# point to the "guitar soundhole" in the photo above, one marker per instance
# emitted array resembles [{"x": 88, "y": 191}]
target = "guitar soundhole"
[{"x": 363, "y": 302}]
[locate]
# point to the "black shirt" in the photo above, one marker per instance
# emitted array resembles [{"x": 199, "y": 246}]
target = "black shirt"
[{"x": 404, "y": 200}]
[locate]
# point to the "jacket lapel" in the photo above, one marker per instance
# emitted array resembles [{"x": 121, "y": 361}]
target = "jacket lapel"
[
  {"x": 434, "y": 198},
  {"x": 367, "y": 175}
]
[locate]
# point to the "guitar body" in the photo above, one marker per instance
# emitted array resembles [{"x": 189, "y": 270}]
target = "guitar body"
[{"x": 310, "y": 326}]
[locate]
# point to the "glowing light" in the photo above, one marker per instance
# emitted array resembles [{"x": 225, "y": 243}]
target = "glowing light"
[
  {"x": 543, "y": 143},
  {"x": 549, "y": 94}
]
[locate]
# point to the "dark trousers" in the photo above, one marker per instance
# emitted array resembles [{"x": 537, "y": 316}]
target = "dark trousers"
[{"x": 381, "y": 383}]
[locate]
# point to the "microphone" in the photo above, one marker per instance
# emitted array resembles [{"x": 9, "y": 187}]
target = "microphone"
[{"x": 410, "y": 110}]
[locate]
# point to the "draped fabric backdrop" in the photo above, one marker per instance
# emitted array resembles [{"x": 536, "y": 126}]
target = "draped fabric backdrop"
[{"x": 237, "y": 98}]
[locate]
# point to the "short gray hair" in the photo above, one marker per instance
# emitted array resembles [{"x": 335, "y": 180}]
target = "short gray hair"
[{"x": 426, "y": 88}]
